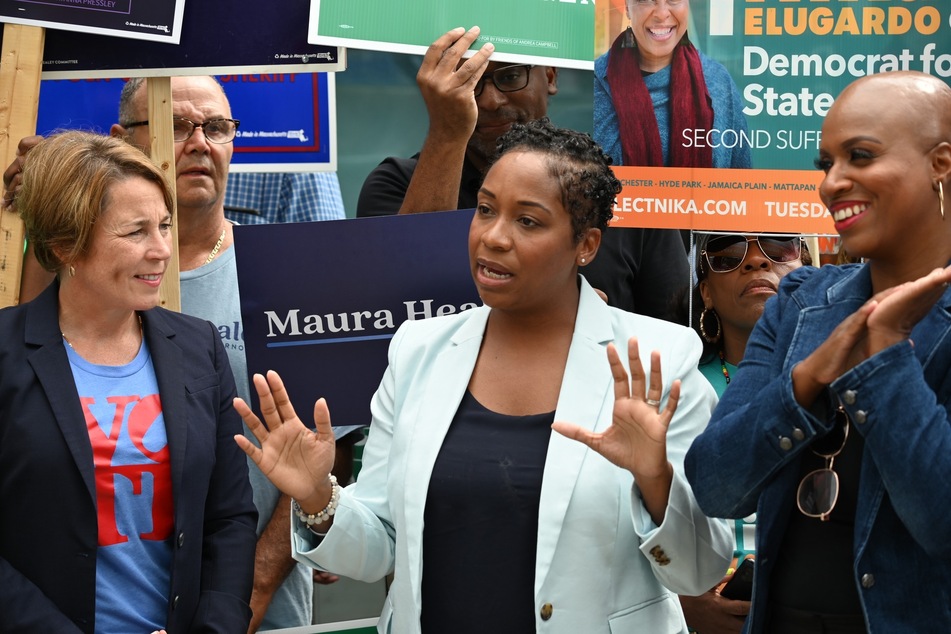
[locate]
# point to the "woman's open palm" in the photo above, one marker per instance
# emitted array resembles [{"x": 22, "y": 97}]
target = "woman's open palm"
[
  {"x": 637, "y": 437},
  {"x": 295, "y": 458}
]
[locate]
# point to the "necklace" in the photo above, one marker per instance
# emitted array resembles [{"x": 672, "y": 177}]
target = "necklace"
[
  {"x": 71, "y": 345},
  {"x": 214, "y": 252},
  {"x": 726, "y": 373}
]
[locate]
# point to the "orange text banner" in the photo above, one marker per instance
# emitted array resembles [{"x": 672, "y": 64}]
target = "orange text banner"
[{"x": 708, "y": 199}]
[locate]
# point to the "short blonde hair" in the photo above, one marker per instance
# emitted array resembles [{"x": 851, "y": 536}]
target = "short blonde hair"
[{"x": 66, "y": 182}]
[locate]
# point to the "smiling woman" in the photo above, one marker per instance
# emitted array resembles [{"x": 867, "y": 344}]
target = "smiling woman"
[
  {"x": 835, "y": 429},
  {"x": 100, "y": 394},
  {"x": 653, "y": 86}
]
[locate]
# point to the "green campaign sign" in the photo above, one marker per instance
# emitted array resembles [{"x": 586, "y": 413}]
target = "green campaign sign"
[
  {"x": 551, "y": 32},
  {"x": 791, "y": 58}
]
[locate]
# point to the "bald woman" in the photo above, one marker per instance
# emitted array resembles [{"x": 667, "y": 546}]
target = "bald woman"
[{"x": 835, "y": 429}]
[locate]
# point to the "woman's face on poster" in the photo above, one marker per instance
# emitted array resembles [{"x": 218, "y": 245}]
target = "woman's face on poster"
[{"x": 658, "y": 27}]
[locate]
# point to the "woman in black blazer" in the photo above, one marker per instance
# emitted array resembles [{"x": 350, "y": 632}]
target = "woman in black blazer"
[{"x": 126, "y": 505}]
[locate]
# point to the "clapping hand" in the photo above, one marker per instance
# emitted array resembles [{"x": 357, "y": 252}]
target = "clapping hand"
[
  {"x": 292, "y": 456},
  {"x": 899, "y": 309},
  {"x": 884, "y": 320}
]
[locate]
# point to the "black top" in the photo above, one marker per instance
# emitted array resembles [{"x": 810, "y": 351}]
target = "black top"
[
  {"x": 813, "y": 571},
  {"x": 641, "y": 270},
  {"x": 481, "y": 523},
  {"x": 385, "y": 188}
]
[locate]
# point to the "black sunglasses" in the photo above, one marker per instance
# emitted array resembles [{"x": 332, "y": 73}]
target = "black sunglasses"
[{"x": 726, "y": 253}]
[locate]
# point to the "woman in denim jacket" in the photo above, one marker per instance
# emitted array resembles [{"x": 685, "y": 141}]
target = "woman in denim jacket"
[{"x": 836, "y": 428}]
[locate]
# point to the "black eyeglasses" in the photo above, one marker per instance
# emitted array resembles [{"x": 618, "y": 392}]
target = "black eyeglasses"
[
  {"x": 819, "y": 490},
  {"x": 506, "y": 79},
  {"x": 215, "y": 130},
  {"x": 726, "y": 253}
]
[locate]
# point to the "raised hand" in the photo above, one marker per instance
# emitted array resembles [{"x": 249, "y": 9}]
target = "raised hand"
[
  {"x": 898, "y": 310},
  {"x": 292, "y": 456},
  {"x": 884, "y": 320},
  {"x": 637, "y": 437},
  {"x": 448, "y": 84}
]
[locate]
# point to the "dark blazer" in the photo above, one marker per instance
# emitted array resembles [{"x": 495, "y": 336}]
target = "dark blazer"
[{"x": 48, "y": 532}]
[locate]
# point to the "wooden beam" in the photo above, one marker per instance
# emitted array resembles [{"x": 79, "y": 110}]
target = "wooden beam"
[
  {"x": 21, "y": 62},
  {"x": 163, "y": 153}
]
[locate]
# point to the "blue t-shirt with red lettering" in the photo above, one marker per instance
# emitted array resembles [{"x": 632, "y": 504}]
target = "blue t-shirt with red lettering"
[{"x": 126, "y": 428}]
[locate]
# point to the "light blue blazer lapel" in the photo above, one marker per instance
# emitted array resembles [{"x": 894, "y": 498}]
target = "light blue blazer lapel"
[
  {"x": 51, "y": 365},
  {"x": 586, "y": 390},
  {"x": 442, "y": 390},
  {"x": 167, "y": 362}
]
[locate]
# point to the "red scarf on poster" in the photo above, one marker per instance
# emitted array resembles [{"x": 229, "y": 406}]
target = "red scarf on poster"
[{"x": 690, "y": 106}]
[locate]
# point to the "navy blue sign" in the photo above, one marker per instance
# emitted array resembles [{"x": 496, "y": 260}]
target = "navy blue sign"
[
  {"x": 320, "y": 301},
  {"x": 157, "y": 20},
  {"x": 217, "y": 37},
  {"x": 290, "y": 138}
]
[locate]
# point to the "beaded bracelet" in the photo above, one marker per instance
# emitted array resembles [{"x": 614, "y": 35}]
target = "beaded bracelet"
[{"x": 324, "y": 515}]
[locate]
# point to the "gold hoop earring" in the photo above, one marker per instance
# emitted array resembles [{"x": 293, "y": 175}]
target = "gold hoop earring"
[
  {"x": 72, "y": 270},
  {"x": 941, "y": 198},
  {"x": 703, "y": 330}
]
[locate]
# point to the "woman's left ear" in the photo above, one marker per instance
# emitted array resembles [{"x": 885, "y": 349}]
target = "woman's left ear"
[
  {"x": 941, "y": 162},
  {"x": 588, "y": 246}
]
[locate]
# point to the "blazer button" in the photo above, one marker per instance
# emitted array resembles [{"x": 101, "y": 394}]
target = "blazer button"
[
  {"x": 181, "y": 539},
  {"x": 798, "y": 434},
  {"x": 785, "y": 444},
  {"x": 660, "y": 556},
  {"x": 546, "y": 611},
  {"x": 849, "y": 397},
  {"x": 868, "y": 580},
  {"x": 860, "y": 416}
]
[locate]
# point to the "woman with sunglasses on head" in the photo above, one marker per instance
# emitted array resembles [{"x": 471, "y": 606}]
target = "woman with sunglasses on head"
[
  {"x": 836, "y": 430},
  {"x": 736, "y": 275}
]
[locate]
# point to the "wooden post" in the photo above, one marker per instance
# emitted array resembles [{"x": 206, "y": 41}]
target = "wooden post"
[
  {"x": 163, "y": 153},
  {"x": 21, "y": 62}
]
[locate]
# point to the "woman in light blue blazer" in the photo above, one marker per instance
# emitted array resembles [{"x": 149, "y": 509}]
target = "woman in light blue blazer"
[{"x": 490, "y": 522}]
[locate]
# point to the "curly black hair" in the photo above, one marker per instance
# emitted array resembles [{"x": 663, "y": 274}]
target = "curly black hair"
[{"x": 579, "y": 164}]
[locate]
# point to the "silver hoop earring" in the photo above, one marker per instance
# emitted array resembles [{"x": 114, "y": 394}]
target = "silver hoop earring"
[{"x": 703, "y": 331}]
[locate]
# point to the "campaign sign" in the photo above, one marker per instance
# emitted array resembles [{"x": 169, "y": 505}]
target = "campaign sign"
[
  {"x": 320, "y": 301},
  {"x": 156, "y": 20},
  {"x": 298, "y": 136},
  {"x": 709, "y": 199},
  {"x": 237, "y": 36},
  {"x": 789, "y": 60},
  {"x": 550, "y": 32}
]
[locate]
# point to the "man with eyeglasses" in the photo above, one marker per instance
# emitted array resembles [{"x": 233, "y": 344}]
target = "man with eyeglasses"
[
  {"x": 203, "y": 131},
  {"x": 471, "y": 103},
  {"x": 470, "y": 106}
]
